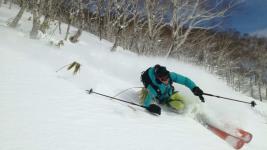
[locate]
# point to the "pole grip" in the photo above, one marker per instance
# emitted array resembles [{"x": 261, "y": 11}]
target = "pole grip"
[
  {"x": 90, "y": 91},
  {"x": 253, "y": 103}
]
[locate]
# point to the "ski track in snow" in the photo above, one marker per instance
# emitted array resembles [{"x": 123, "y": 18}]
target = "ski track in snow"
[{"x": 41, "y": 109}]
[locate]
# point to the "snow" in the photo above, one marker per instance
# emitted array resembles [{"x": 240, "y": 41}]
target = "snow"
[
  {"x": 42, "y": 108},
  {"x": 260, "y": 33}
]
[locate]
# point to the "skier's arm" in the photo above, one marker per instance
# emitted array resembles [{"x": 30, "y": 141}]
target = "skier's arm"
[
  {"x": 150, "y": 95},
  {"x": 182, "y": 80},
  {"x": 188, "y": 83}
]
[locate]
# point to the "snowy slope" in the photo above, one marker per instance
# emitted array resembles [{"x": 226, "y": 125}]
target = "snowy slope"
[{"x": 41, "y": 109}]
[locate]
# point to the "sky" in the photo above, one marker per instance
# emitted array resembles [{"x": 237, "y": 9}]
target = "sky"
[
  {"x": 249, "y": 17},
  {"x": 42, "y": 108}
]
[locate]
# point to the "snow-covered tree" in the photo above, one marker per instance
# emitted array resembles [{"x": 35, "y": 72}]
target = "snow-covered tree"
[
  {"x": 36, "y": 15},
  {"x": 192, "y": 14},
  {"x": 154, "y": 11},
  {"x": 80, "y": 20},
  {"x": 48, "y": 14},
  {"x": 121, "y": 20},
  {"x": 23, "y": 6}
]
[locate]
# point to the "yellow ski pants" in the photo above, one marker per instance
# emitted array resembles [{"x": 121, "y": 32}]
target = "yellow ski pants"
[{"x": 176, "y": 101}]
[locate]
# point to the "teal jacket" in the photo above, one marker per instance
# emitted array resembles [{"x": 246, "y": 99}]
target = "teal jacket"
[{"x": 165, "y": 90}]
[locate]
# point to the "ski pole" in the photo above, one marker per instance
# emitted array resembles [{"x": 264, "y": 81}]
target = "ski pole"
[
  {"x": 121, "y": 100},
  {"x": 252, "y": 103}
]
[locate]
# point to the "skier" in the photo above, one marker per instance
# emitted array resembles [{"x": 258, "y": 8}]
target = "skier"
[{"x": 158, "y": 82}]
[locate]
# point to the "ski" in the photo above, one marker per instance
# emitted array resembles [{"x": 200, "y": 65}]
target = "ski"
[
  {"x": 236, "y": 137},
  {"x": 244, "y": 135},
  {"x": 239, "y": 133},
  {"x": 235, "y": 142}
]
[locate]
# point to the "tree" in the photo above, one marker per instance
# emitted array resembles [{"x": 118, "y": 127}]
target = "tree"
[
  {"x": 154, "y": 11},
  {"x": 120, "y": 22},
  {"x": 48, "y": 13},
  {"x": 81, "y": 19},
  {"x": 24, "y": 4},
  {"x": 36, "y": 13},
  {"x": 136, "y": 29},
  {"x": 11, "y": 3},
  {"x": 70, "y": 17},
  {"x": 100, "y": 8},
  {"x": 192, "y": 14},
  {"x": 261, "y": 55}
]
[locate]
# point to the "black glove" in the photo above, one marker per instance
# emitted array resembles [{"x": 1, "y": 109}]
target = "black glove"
[
  {"x": 198, "y": 92},
  {"x": 153, "y": 108},
  {"x": 202, "y": 99}
]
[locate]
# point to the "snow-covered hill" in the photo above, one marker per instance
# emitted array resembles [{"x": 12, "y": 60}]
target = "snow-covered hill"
[
  {"x": 260, "y": 33},
  {"x": 42, "y": 108}
]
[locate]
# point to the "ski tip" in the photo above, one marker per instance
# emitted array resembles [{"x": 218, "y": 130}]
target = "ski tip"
[{"x": 245, "y": 135}]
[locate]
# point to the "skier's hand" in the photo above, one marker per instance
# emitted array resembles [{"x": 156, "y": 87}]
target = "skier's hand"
[
  {"x": 197, "y": 91},
  {"x": 153, "y": 108},
  {"x": 202, "y": 99}
]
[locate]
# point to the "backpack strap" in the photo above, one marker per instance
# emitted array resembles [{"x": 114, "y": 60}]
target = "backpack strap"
[
  {"x": 147, "y": 81},
  {"x": 171, "y": 82}
]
